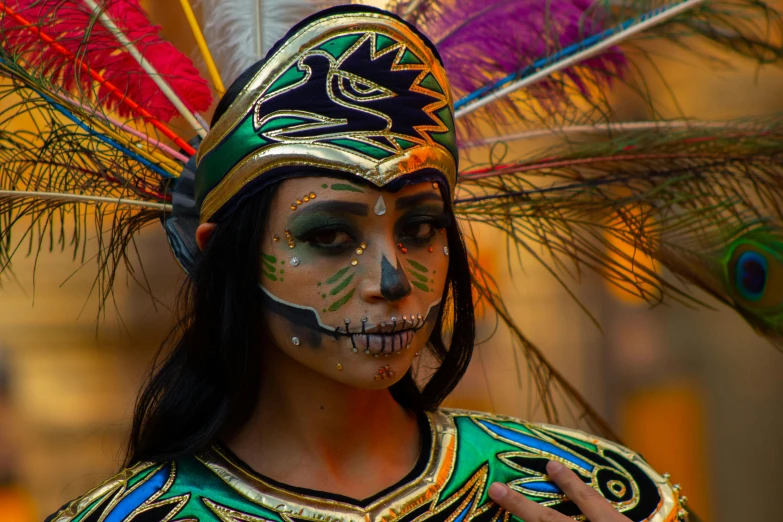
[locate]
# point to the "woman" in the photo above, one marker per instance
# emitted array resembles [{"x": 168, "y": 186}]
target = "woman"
[{"x": 330, "y": 264}]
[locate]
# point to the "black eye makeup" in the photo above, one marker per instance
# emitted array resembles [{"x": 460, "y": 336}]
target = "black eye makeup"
[
  {"x": 333, "y": 231},
  {"x": 419, "y": 226},
  {"x": 328, "y": 233}
]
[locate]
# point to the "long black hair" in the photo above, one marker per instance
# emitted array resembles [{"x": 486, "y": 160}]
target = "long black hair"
[{"x": 205, "y": 377}]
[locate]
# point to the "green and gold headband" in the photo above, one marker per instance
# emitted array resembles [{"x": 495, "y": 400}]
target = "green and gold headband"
[{"x": 352, "y": 89}]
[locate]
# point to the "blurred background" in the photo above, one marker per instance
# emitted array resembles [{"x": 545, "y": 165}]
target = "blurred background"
[{"x": 695, "y": 391}]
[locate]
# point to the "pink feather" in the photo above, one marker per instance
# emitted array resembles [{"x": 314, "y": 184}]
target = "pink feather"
[{"x": 73, "y": 25}]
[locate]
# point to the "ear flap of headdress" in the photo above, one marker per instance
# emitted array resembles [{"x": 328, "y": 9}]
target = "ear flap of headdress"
[{"x": 183, "y": 221}]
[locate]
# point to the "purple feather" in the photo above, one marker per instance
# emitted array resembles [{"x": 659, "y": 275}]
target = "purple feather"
[{"x": 481, "y": 41}]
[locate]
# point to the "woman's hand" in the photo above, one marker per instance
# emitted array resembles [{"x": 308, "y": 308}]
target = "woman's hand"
[{"x": 590, "y": 501}]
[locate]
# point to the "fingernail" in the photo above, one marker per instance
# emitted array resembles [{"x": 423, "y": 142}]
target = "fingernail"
[
  {"x": 554, "y": 467},
  {"x": 498, "y": 491}
]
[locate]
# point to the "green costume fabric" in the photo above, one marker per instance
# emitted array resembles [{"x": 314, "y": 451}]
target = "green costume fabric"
[{"x": 463, "y": 453}]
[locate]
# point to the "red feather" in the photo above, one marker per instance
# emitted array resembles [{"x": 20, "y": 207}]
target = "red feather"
[{"x": 74, "y": 27}]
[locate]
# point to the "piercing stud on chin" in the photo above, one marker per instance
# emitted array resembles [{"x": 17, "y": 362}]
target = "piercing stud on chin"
[{"x": 339, "y": 367}]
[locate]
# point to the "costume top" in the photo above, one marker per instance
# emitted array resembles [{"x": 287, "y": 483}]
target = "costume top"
[{"x": 462, "y": 454}]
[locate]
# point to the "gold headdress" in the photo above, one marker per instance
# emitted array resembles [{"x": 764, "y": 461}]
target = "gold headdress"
[{"x": 353, "y": 91}]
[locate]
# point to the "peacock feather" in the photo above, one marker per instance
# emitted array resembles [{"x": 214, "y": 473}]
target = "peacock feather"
[{"x": 676, "y": 196}]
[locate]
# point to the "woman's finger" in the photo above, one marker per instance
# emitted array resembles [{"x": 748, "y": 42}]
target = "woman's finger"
[
  {"x": 590, "y": 501},
  {"x": 522, "y": 507}
]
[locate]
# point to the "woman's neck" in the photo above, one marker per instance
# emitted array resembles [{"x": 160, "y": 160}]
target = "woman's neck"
[{"x": 310, "y": 431}]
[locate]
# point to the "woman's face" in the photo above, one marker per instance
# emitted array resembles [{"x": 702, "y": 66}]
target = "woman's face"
[{"x": 352, "y": 277}]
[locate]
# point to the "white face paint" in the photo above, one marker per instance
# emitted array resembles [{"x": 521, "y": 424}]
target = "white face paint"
[{"x": 355, "y": 274}]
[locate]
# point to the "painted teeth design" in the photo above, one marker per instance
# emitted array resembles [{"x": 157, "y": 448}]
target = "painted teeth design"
[{"x": 385, "y": 344}]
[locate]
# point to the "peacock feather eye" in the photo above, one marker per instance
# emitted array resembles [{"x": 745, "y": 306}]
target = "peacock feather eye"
[
  {"x": 754, "y": 272},
  {"x": 751, "y": 275}
]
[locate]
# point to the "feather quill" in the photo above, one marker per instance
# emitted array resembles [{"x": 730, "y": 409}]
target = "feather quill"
[
  {"x": 79, "y": 198},
  {"x": 241, "y": 32},
  {"x": 75, "y": 28}
]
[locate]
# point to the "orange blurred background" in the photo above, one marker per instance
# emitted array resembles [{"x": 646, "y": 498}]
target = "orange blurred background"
[{"x": 695, "y": 391}]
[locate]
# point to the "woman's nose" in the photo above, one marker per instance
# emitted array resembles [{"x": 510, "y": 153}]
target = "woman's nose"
[
  {"x": 394, "y": 282},
  {"x": 386, "y": 281}
]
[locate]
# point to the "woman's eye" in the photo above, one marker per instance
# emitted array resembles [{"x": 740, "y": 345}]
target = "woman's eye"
[
  {"x": 421, "y": 231},
  {"x": 329, "y": 238}
]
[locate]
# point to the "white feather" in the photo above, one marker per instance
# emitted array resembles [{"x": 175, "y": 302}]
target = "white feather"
[{"x": 240, "y": 32}]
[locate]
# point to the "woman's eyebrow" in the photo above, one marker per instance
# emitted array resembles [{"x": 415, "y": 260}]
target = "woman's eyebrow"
[
  {"x": 335, "y": 207},
  {"x": 412, "y": 201}
]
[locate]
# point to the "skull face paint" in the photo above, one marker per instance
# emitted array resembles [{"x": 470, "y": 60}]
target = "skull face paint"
[{"x": 352, "y": 294}]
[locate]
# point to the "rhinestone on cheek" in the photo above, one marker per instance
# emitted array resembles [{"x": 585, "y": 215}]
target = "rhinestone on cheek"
[
  {"x": 295, "y": 340},
  {"x": 295, "y": 261}
]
